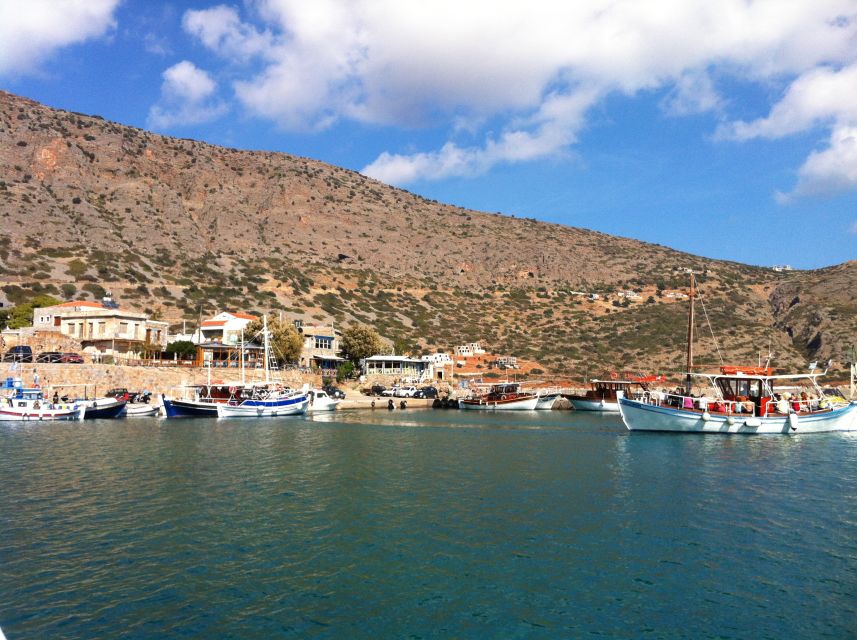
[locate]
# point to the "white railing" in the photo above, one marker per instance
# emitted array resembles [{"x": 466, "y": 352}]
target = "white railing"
[{"x": 747, "y": 408}]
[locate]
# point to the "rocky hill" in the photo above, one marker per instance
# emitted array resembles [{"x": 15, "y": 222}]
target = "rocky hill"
[{"x": 179, "y": 227}]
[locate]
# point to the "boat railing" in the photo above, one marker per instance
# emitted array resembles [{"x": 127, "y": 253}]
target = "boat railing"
[{"x": 772, "y": 406}]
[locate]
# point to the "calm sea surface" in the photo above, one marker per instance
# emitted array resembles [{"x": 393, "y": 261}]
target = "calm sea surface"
[{"x": 423, "y": 524}]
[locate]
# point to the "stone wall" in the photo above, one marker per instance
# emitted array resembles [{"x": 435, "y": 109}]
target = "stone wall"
[{"x": 102, "y": 377}]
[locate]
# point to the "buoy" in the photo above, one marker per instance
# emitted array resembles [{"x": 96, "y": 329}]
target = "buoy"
[{"x": 706, "y": 416}]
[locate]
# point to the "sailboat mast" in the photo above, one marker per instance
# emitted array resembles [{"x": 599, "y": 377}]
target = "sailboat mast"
[
  {"x": 243, "y": 381},
  {"x": 690, "y": 321},
  {"x": 267, "y": 348}
]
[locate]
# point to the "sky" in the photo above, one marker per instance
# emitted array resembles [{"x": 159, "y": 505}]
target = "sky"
[{"x": 726, "y": 129}]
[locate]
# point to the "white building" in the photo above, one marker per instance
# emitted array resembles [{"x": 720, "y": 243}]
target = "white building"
[
  {"x": 469, "y": 349},
  {"x": 226, "y": 327}
]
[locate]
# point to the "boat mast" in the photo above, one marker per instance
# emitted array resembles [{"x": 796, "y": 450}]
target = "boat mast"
[
  {"x": 690, "y": 318},
  {"x": 265, "y": 334},
  {"x": 243, "y": 381}
]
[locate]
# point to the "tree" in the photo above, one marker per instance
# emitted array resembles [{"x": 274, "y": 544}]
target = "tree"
[
  {"x": 361, "y": 342},
  {"x": 344, "y": 371},
  {"x": 22, "y": 315},
  {"x": 403, "y": 346},
  {"x": 184, "y": 348},
  {"x": 286, "y": 342}
]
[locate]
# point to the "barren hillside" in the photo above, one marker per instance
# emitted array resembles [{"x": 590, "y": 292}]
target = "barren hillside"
[{"x": 180, "y": 227}]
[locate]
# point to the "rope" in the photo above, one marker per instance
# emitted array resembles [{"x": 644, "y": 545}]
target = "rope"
[{"x": 713, "y": 337}]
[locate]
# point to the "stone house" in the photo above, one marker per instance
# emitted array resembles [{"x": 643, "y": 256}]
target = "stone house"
[
  {"x": 102, "y": 328},
  {"x": 321, "y": 347}
]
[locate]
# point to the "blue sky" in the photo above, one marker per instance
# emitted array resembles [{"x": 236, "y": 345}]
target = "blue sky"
[{"x": 725, "y": 129}]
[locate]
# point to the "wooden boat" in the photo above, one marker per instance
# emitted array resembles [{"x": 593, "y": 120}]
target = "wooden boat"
[
  {"x": 603, "y": 394},
  {"x": 31, "y": 404},
  {"x": 739, "y": 400},
  {"x": 503, "y": 396}
]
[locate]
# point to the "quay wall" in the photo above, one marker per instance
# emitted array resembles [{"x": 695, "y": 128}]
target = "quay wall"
[{"x": 102, "y": 377}]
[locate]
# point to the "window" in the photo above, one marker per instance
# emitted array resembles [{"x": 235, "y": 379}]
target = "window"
[
  {"x": 323, "y": 343},
  {"x": 123, "y": 328}
]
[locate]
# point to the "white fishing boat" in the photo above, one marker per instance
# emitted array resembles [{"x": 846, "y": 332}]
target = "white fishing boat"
[
  {"x": 547, "y": 400},
  {"x": 739, "y": 400},
  {"x": 603, "y": 393},
  {"x": 320, "y": 401},
  {"x": 271, "y": 401},
  {"x": 503, "y": 396},
  {"x": 31, "y": 405},
  {"x": 142, "y": 410}
]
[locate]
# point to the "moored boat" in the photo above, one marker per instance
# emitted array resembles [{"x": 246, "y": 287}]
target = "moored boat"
[
  {"x": 739, "y": 400},
  {"x": 31, "y": 405},
  {"x": 320, "y": 401},
  {"x": 742, "y": 401},
  {"x": 503, "y": 396},
  {"x": 141, "y": 410},
  {"x": 603, "y": 394},
  {"x": 104, "y": 408}
]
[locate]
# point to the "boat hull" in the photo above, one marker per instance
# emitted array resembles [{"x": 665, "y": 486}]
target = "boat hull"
[
  {"x": 546, "y": 402},
  {"x": 105, "y": 409},
  {"x": 639, "y": 416},
  {"x": 583, "y": 404},
  {"x": 19, "y": 414},
  {"x": 188, "y": 408},
  {"x": 293, "y": 406},
  {"x": 523, "y": 404},
  {"x": 141, "y": 410}
]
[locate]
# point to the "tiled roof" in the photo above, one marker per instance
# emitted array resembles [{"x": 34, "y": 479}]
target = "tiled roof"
[
  {"x": 214, "y": 323},
  {"x": 245, "y": 316}
]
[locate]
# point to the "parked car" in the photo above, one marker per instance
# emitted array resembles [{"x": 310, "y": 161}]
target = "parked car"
[
  {"x": 120, "y": 393},
  {"x": 49, "y": 356},
  {"x": 405, "y": 392},
  {"x": 72, "y": 358},
  {"x": 21, "y": 353},
  {"x": 333, "y": 392},
  {"x": 426, "y": 392},
  {"x": 377, "y": 389}
]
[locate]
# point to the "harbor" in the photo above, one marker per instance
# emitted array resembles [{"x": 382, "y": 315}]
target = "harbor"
[{"x": 423, "y": 523}]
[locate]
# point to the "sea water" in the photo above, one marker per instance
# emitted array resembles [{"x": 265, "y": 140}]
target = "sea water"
[{"x": 423, "y": 524}]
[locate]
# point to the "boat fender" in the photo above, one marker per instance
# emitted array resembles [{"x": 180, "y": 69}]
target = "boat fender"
[
  {"x": 706, "y": 416},
  {"x": 794, "y": 419},
  {"x": 730, "y": 420},
  {"x": 36, "y": 405},
  {"x": 503, "y": 397}
]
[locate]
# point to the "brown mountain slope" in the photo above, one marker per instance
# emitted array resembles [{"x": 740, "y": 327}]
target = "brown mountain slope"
[{"x": 178, "y": 227}]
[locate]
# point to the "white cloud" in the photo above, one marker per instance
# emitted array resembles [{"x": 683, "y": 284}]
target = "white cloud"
[
  {"x": 830, "y": 170},
  {"x": 819, "y": 96},
  {"x": 33, "y": 30},
  {"x": 185, "y": 98},
  {"x": 853, "y": 228},
  {"x": 693, "y": 93},
  {"x": 534, "y": 67},
  {"x": 220, "y": 29}
]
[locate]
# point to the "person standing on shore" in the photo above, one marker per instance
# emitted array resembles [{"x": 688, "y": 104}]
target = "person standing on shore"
[{"x": 35, "y": 379}]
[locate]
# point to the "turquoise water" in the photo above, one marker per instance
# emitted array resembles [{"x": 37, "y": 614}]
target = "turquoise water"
[{"x": 423, "y": 524}]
